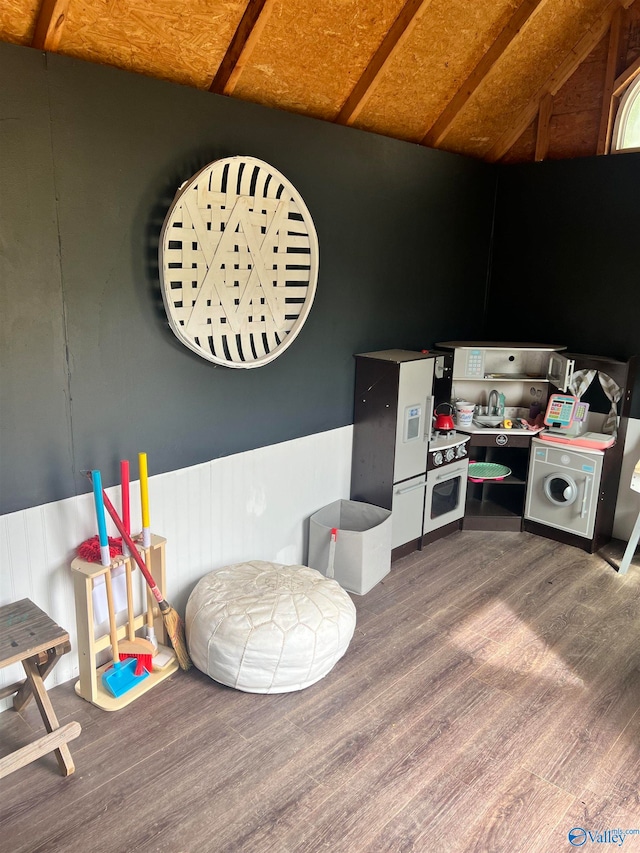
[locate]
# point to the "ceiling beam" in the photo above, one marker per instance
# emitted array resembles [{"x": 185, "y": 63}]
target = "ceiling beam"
[
  {"x": 556, "y": 80},
  {"x": 49, "y": 24},
  {"x": 399, "y": 32},
  {"x": 607, "y": 113},
  {"x": 542, "y": 135},
  {"x": 241, "y": 47},
  {"x": 441, "y": 126}
]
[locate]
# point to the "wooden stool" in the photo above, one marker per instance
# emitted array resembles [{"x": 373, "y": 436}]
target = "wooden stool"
[{"x": 27, "y": 635}]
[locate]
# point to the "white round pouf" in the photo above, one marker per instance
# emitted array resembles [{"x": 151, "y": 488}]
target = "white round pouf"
[{"x": 266, "y": 628}]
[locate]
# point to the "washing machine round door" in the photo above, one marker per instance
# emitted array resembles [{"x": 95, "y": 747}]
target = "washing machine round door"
[{"x": 560, "y": 489}]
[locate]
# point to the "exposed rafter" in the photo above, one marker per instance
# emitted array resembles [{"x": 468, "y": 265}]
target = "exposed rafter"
[
  {"x": 377, "y": 64},
  {"x": 554, "y": 83},
  {"x": 545, "y": 112},
  {"x": 607, "y": 114},
  {"x": 242, "y": 44},
  {"x": 366, "y": 85},
  {"x": 49, "y": 24},
  {"x": 441, "y": 126}
]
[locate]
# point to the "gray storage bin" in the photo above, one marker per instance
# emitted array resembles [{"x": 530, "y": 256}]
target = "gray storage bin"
[{"x": 363, "y": 545}]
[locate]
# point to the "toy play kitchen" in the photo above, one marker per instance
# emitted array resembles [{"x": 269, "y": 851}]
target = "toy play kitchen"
[
  {"x": 491, "y": 436},
  {"x": 529, "y": 399},
  {"x": 407, "y": 455},
  {"x": 506, "y": 385}
]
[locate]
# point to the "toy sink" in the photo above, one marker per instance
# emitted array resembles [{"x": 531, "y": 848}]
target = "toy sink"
[{"x": 488, "y": 420}]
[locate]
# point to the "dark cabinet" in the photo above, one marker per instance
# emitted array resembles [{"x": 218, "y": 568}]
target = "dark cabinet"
[{"x": 497, "y": 504}]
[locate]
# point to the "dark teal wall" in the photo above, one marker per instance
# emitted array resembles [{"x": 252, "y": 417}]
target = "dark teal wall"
[
  {"x": 36, "y": 455},
  {"x": 566, "y": 263},
  {"x": 90, "y": 372}
]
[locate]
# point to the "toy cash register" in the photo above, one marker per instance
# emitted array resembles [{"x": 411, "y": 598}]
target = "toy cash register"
[{"x": 566, "y": 421}]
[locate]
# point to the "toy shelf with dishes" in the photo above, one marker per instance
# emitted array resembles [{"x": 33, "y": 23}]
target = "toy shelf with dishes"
[
  {"x": 515, "y": 377},
  {"x": 496, "y": 502},
  {"x": 86, "y": 575}
]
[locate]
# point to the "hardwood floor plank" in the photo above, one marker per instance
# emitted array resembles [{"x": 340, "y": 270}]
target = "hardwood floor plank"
[
  {"x": 16, "y": 732},
  {"x": 359, "y": 749},
  {"x": 609, "y": 699},
  {"x": 344, "y": 744},
  {"x": 568, "y": 717},
  {"x": 357, "y": 811},
  {"x": 491, "y": 584},
  {"x": 119, "y": 742},
  {"x": 430, "y": 821},
  {"x": 617, "y": 774},
  {"x": 521, "y": 610},
  {"x": 489, "y": 700},
  {"x": 520, "y": 807},
  {"x": 570, "y": 754},
  {"x": 506, "y": 740},
  {"x": 447, "y": 571},
  {"x": 201, "y": 782},
  {"x": 445, "y": 817},
  {"x": 409, "y": 698},
  {"x": 536, "y": 653}
]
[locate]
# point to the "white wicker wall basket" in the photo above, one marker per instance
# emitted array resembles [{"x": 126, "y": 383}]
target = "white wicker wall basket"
[{"x": 238, "y": 262}]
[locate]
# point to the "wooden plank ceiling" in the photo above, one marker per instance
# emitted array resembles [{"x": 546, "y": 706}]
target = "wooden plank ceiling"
[{"x": 510, "y": 80}]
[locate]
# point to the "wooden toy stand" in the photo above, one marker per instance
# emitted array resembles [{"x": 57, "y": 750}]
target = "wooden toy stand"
[{"x": 89, "y": 685}]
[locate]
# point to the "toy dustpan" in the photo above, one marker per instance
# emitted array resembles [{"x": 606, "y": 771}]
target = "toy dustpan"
[{"x": 120, "y": 677}]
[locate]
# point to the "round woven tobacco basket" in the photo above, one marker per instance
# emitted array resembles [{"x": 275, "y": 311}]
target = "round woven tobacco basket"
[{"x": 238, "y": 262}]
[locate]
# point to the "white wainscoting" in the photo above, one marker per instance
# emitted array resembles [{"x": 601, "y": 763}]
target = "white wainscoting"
[
  {"x": 628, "y": 505},
  {"x": 253, "y": 505}
]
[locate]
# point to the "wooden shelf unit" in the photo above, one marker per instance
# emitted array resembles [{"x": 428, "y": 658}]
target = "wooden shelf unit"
[{"x": 89, "y": 685}]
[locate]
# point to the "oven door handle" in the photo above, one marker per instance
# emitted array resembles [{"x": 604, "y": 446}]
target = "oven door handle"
[
  {"x": 411, "y": 488},
  {"x": 449, "y": 475}
]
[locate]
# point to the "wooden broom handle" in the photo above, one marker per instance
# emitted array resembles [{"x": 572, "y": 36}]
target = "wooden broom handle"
[
  {"x": 113, "y": 628},
  {"x": 131, "y": 631}
]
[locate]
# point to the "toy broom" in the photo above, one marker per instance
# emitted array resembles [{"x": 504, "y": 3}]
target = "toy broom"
[
  {"x": 172, "y": 622},
  {"x": 135, "y": 647},
  {"x": 120, "y": 677}
]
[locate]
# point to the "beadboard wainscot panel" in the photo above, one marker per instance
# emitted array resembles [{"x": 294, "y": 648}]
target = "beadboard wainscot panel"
[
  {"x": 252, "y": 505},
  {"x": 628, "y": 505}
]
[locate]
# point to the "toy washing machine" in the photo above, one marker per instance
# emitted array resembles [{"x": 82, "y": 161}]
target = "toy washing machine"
[
  {"x": 563, "y": 487},
  {"x": 574, "y": 474}
]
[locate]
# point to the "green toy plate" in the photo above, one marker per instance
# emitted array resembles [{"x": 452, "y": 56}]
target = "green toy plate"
[{"x": 479, "y": 471}]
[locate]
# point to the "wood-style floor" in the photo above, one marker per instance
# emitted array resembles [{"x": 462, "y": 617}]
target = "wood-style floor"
[{"x": 489, "y": 701}]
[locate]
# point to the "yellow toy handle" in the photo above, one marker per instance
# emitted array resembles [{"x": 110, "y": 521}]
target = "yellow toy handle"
[{"x": 144, "y": 499}]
